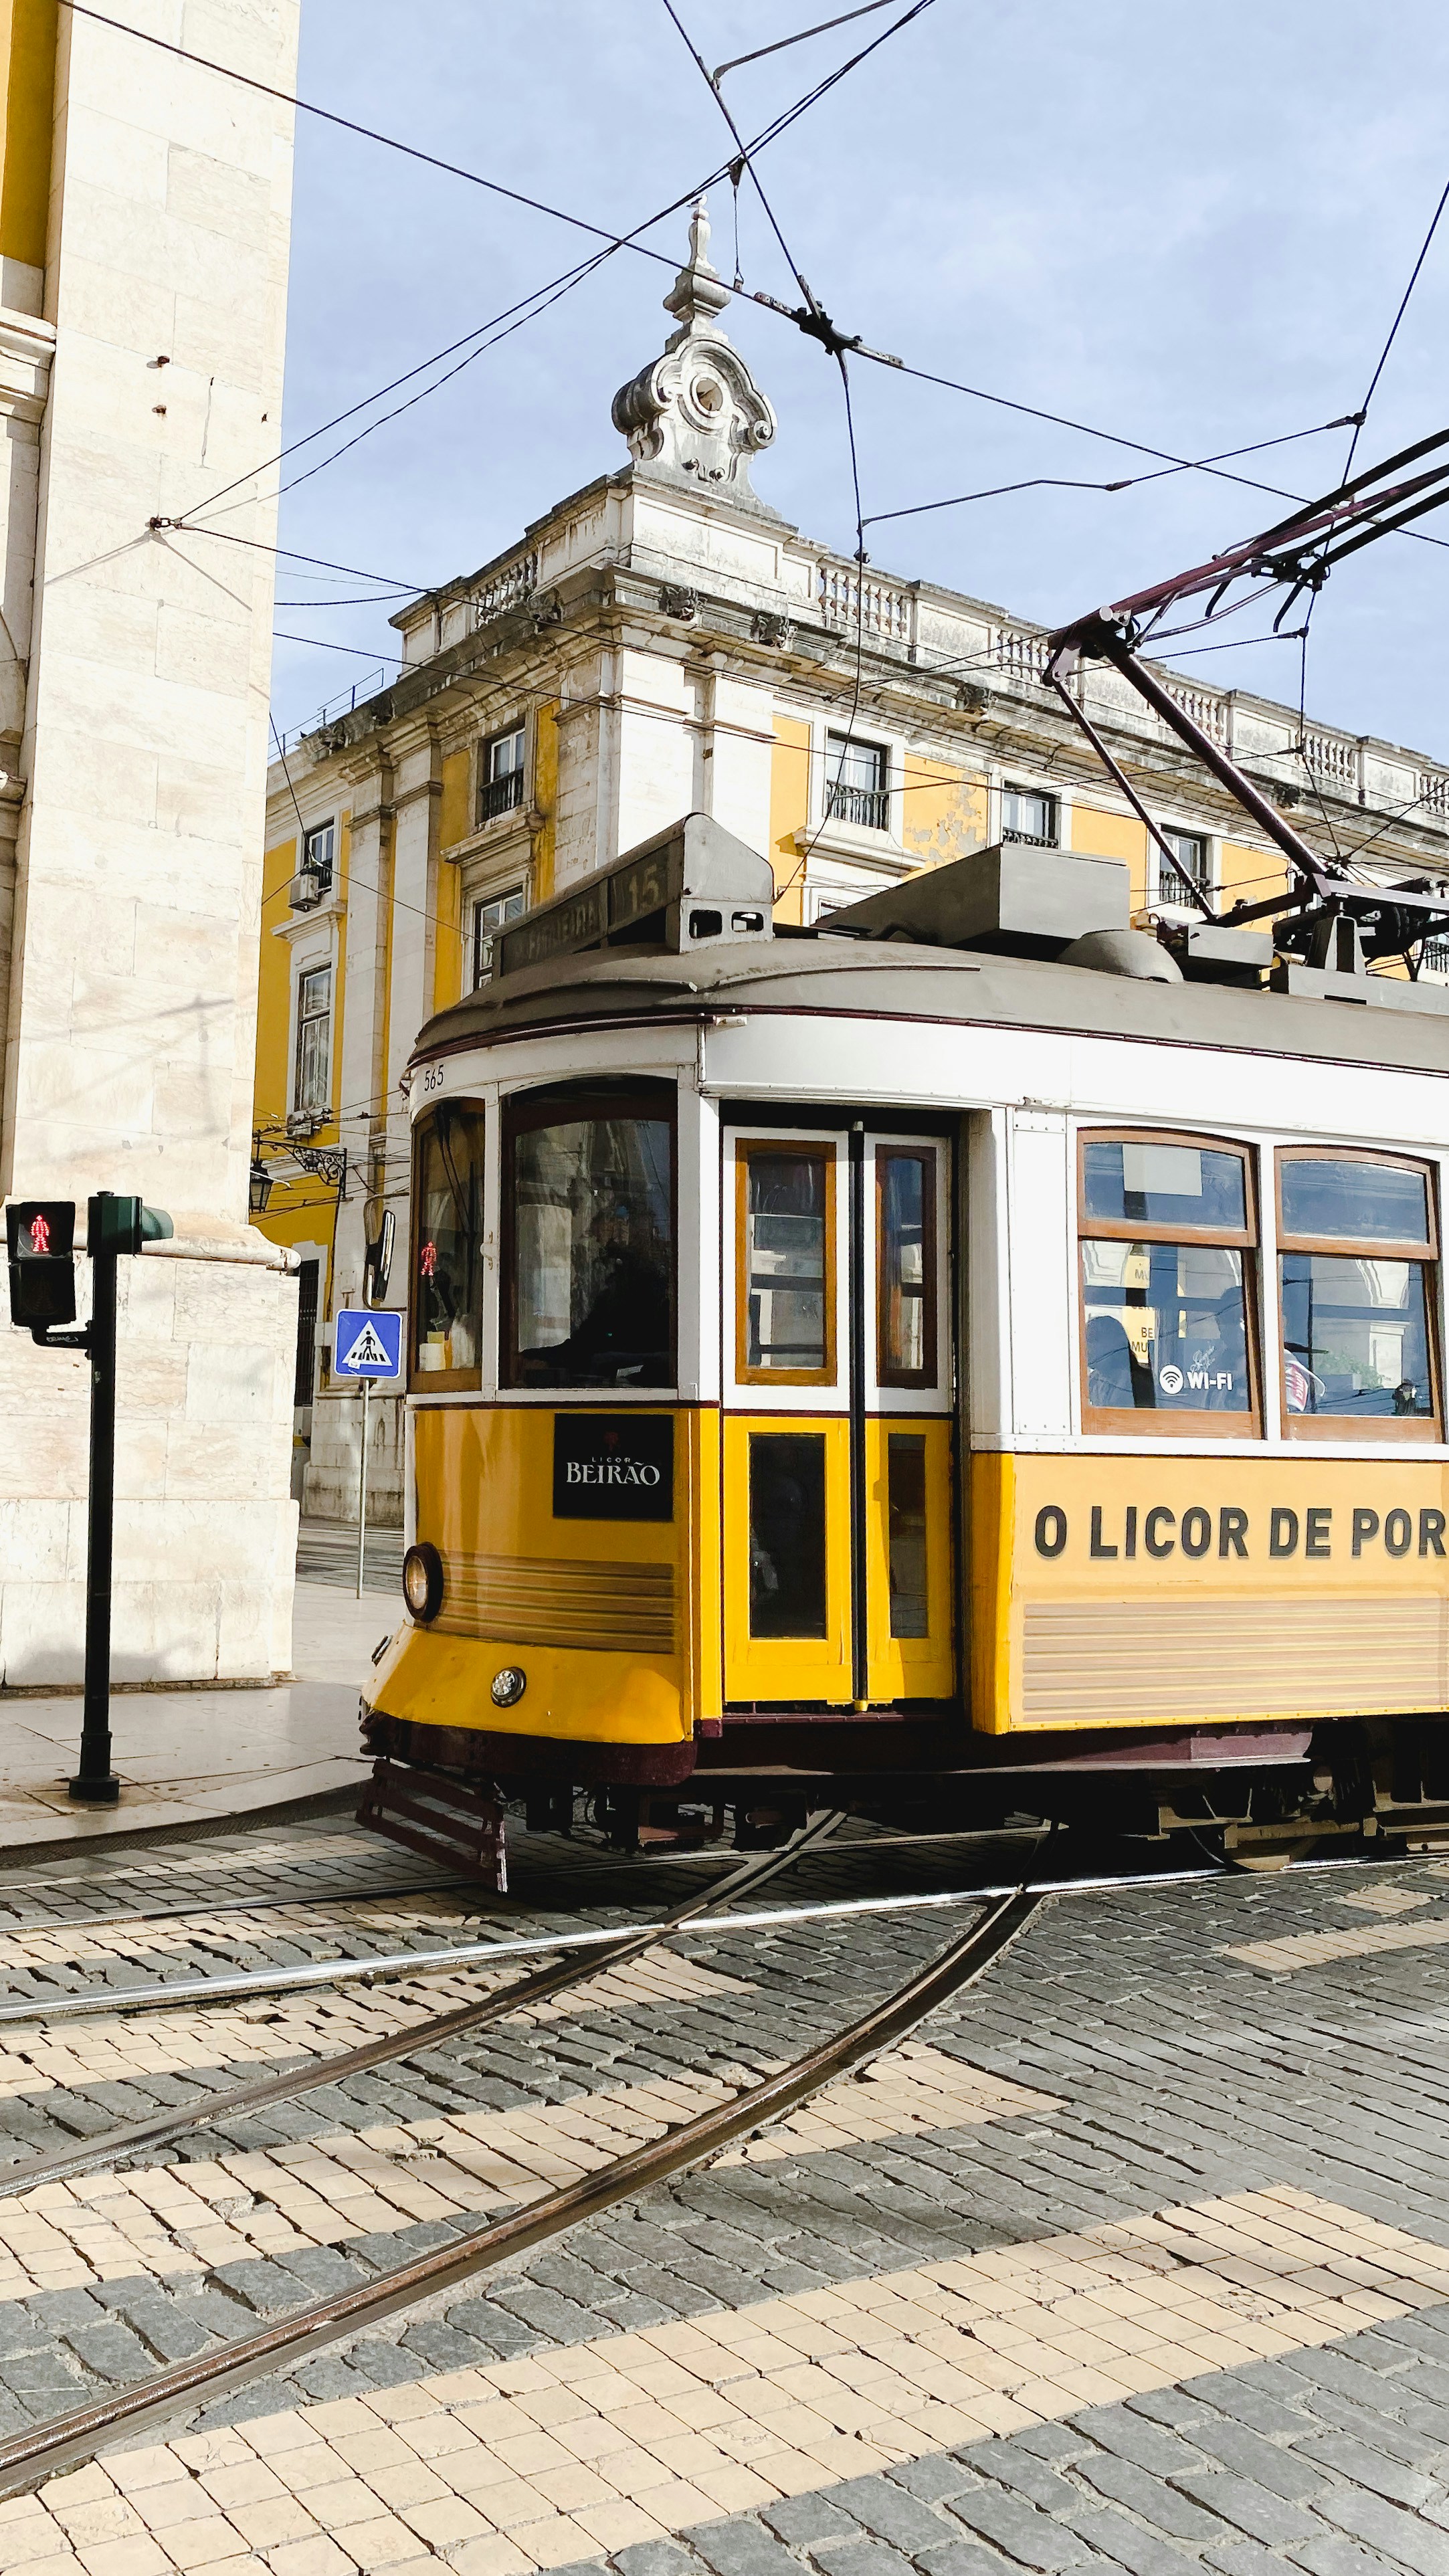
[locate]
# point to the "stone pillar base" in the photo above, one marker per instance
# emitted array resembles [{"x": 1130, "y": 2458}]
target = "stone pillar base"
[{"x": 205, "y": 1530}]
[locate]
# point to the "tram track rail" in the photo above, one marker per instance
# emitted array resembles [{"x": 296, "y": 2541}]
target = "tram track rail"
[
  {"x": 42, "y": 2451},
  {"x": 231, "y": 1984},
  {"x": 124, "y": 1919},
  {"x": 601, "y": 1865},
  {"x": 379, "y": 1967},
  {"x": 607, "y": 1949}
]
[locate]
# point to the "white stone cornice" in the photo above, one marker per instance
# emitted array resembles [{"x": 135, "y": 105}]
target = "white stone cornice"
[
  {"x": 26, "y": 349},
  {"x": 497, "y": 838},
  {"x": 301, "y": 923},
  {"x": 879, "y": 850},
  {"x": 406, "y": 796}
]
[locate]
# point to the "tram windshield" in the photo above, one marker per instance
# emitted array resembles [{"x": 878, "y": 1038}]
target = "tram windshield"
[
  {"x": 448, "y": 1247},
  {"x": 592, "y": 1225}
]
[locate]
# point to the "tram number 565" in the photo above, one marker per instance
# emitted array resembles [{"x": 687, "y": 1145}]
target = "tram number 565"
[{"x": 432, "y": 1078}]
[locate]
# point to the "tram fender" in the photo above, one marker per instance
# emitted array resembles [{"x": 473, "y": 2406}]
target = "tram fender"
[
  {"x": 570, "y": 1698},
  {"x": 479, "y": 1753}
]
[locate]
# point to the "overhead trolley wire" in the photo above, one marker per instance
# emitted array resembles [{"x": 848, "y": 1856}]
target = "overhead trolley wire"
[
  {"x": 782, "y": 44},
  {"x": 1358, "y": 426},
  {"x": 619, "y": 241},
  {"x": 289, "y": 554},
  {"x": 820, "y": 326},
  {"x": 1128, "y": 483},
  {"x": 367, "y": 133},
  {"x": 1404, "y": 300},
  {"x": 552, "y": 288},
  {"x": 513, "y": 316},
  {"x": 323, "y": 644}
]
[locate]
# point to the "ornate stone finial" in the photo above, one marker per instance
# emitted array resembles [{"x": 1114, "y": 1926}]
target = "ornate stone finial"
[
  {"x": 698, "y": 292},
  {"x": 697, "y": 411}
]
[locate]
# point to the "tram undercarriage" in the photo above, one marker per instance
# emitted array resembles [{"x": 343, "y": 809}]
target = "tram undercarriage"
[{"x": 1349, "y": 1786}]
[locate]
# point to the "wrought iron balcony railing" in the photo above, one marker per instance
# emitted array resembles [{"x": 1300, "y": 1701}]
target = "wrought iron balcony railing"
[
  {"x": 500, "y": 795},
  {"x": 869, "y": 806}
]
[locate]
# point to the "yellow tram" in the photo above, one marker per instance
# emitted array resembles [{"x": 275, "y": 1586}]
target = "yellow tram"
[{"x": 970, "y": 1357}]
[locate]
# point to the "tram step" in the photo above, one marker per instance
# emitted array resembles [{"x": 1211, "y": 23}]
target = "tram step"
[{"x": 439, "y": 1818}]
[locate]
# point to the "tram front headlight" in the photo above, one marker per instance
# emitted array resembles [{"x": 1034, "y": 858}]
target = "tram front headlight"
[{"x": 423, "y": 1581}]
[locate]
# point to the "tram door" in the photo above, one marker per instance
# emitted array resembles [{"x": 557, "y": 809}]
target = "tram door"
[{"x": 839, "y": 1580}]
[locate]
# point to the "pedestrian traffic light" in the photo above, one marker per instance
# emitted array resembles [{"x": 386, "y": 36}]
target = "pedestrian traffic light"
[
  {"x": 377, "y": 1263},
  {"x": 123, "y": 1224},
  {"x": 40, "y": 1245}
]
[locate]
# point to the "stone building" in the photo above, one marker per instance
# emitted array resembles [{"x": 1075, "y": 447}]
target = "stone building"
[
  {"x": 663, "y": 641},
  {"x": 144, "y": 226}
]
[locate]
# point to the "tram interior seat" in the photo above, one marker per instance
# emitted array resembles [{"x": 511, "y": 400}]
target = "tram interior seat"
[{"x": 1110, "y": 1378}]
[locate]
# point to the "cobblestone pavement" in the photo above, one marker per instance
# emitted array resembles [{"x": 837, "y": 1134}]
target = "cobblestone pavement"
[{"x": 1135, "y": 2256}]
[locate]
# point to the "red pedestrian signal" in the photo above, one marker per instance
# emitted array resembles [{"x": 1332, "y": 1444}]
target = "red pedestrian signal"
[{"x": 40, "y": 1245}]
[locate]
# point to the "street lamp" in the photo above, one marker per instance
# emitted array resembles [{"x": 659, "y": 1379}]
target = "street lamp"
[{"x": 259, "y": 1187}]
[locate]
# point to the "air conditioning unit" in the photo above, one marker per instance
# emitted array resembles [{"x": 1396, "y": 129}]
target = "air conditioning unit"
[{"x": 305, "y": 891}]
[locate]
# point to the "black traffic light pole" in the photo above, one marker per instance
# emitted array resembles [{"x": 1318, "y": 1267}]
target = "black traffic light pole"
[
  {"x": 42, "y": 1295},
  {"x": 95, "y": 1782}
]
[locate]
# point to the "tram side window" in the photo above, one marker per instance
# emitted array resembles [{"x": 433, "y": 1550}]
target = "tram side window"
[
  {"x": 1167, "y": 1240},
  {"x": 591, "y": 1241},
  {"x": 787, "y": 1534},
  {"x": 906, "y": 1274},
  {"x": 906, "y": 1532},
  {"x": 1358, "y": 1246},
  {"x": 447, "y": 1298},
  {"x": 787, "y": 1263}
]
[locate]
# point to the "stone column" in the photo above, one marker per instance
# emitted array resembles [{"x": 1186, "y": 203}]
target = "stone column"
[{"x": 142, "y": 757}]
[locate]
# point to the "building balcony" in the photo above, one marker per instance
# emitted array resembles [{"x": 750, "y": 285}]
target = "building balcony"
[
  {"x": 869, "y": 807},
  {"x": 500, "y": 795}
]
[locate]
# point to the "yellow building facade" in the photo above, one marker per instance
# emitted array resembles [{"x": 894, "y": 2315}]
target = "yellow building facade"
[{"x": 664, "y": 642}]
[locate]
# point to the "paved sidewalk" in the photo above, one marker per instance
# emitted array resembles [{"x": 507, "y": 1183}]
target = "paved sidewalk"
[{"x": 185, "y": 1755}]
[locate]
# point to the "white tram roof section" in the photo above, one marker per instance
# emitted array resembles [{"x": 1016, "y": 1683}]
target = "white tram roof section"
[
  {"x": 831, "y": 1024},
  {"x": 822, "y": 1015}
]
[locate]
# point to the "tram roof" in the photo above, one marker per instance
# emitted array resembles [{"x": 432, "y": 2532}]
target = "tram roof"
[{"x": 823, "y": 973}]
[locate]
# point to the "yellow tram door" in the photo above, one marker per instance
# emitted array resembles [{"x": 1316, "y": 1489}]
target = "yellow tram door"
[{"x": 838, "y": 1574}]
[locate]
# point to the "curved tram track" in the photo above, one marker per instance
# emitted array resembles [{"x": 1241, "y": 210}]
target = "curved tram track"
[
  {"x": 131, "y": 2136},
  {"x": 32, "y": 2456}
]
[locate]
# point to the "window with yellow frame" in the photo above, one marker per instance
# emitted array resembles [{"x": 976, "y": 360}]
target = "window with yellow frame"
[{"x": 785, "y": 1262}]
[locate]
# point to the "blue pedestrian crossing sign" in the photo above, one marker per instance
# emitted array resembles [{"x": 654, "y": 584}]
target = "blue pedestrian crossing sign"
[{"x": 367, "y": 1343}]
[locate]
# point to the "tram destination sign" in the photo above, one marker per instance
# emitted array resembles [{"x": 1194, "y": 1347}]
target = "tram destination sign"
[
  {"x": 693, "y": 883},
  {"x": 613, "y": 1466},
  {"x": 555, "y": 930}
]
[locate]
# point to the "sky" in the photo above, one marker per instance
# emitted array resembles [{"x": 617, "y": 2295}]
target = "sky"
[{"x": 1188, "y": 227}]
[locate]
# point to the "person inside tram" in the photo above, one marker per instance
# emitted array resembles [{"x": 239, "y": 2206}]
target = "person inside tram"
[
  {"x": 1207, "y": 1373},
  {"x": 1111, "y": 1381},
  {"x": 623, "y": 1336}
]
